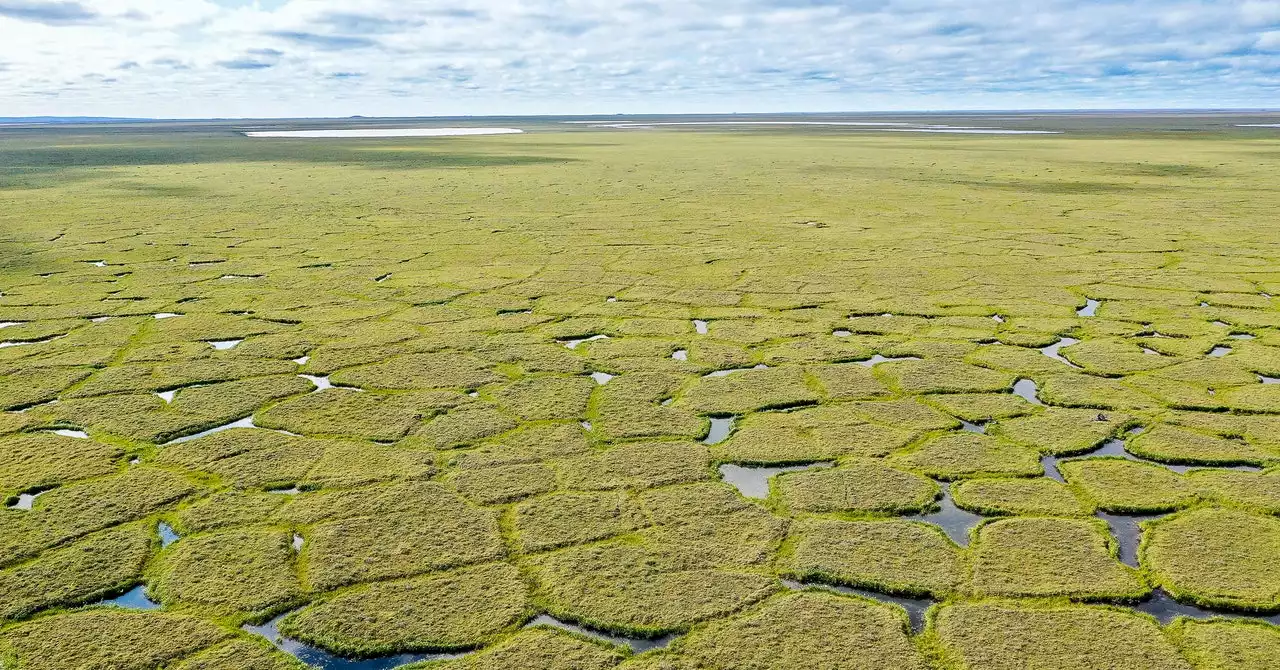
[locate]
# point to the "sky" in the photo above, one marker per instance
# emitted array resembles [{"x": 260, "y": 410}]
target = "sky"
[{"x": 333, "y": 58}]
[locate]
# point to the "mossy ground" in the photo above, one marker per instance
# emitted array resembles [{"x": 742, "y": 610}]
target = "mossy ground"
[{"x": 465, "y": 455}]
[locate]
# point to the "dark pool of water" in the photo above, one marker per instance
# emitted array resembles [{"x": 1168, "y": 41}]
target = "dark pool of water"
[
  {"x": 1090, "y": 308},
  {"x": 1027, "y": 390},
  {"x": 915, "y": 607},
  {"x": 1219, "y": 352},
  {"x": 1125, "y": 530},
  {"x": 1164, "y": 608},
  {"x": 637, "y": 644},
  {"x": 955, "y": 522},
  {"x": 753, "y": 482},
  {"x": 721, "y": 427},
  {"x": 319, "y": 658},
  {"x": 1050, "y": 465}
]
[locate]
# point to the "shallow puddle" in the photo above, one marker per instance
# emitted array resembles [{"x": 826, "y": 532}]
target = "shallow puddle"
[
  {"x": 955, "y": 522},
  {"x": 9, "y": 324},
  {"x": 843, "y": 333},
  {"x": 224, "y": 345},
  {"x": 321, "y": 383},
  {"x": 78, "y": 434},
  {"x": 135, "y": 599},
  {"x": 680, "y": 355},
  {"x": 1090, "y": 308},
  {"x": 586, "y": 425},
  {"x": 382, "y": 278},
  {"x": 1027, "y": 390},
  {"x": 979, "y": 428},
  {"x": 292, "y": 491},
  {"x": 1242, "y": 336},
  {"x": 246, "y": 422},
  {"x": 23, "y": 343},
  {"x": 1150, "y": 352},
  {"x": 1269, "y": 380},
  {"x": 319, "y": 658},
  {"x": 573, "y": 344},
  {"x": 166, "y": 315},
  {"x": 611, "y": 299},
  {"x": 915, "y": 607},
  {"x": 637, "y": 644},
  {"x": 878, "y": 359},
  {"x": 302, "y": 361},
  {"x": 298, "y": 541},
  {"x": 701, "y": 327},
  {"x": 1127, "y": 534},
  {"x": 997, "y": 318},
  {"x": 167, "y": 396},
  {"x": 602, "y": 378},
  {"x": 720, "y": 429},
  {"x": 1219, "y": 352},
  {"x": 726, "y": 373},
  {"x": 26, "y": 500},
  {"x": 753, "y": 482},
  {"x": 1165, "y": 609},
  {"x": 167, "y": 535}
]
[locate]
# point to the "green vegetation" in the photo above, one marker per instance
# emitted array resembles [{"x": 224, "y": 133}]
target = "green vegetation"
[
  {"x": 1009, "y": 636},
  {"x": 1062, "y": 431},
  {"x": 453, "y": 469},
  {"x": 900, "y": 557},
  {"x": 94, "y": 567},
  {"x": 962, "y": 455},
  {"x": 1050, "y": 557},
  {"x": 110, "y": 638},
  {"x": 1018, "y": 497},
  {"x": 455, "y": 610},
  {"x": 562, "y": 519},
  {"x": 1127, "y": 487},
  {"x": 1169, "y": 444},
  {"x": 1227, "y": 645},
  {"x": 242, "y": 655},
  {"x": 805, "y": 630},
  {"x": 1216, "y": 558},
  {"x": 248, "y": 571},
  {"x": 857, "y": 486},
  {"x": 534, "y": 648}
]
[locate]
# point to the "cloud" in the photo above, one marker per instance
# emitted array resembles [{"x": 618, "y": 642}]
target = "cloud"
[
  {"x": 326, "y": 42},
  {"x": 497, "y": 56},
  {"x": 48, "y": 13},
  {"x": 245, "y": 64}
]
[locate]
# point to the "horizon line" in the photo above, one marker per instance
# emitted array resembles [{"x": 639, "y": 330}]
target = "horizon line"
[{"x": 44, "y": 119}]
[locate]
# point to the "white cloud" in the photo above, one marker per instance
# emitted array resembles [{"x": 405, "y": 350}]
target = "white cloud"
[{"x": 422, "y": 57}]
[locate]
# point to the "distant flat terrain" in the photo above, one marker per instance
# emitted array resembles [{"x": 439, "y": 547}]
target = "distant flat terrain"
[{"x": 677, "y": 393}]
